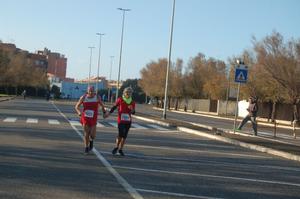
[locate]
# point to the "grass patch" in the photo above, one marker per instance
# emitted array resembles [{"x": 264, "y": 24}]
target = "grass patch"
[{"x": 4, "y": 95}]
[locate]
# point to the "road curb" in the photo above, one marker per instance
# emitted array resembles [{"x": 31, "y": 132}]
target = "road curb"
[
  {"x": 242, "y": 144},
  {"x": 7, "y": 99},
  {"x": 219, "y": 137}
]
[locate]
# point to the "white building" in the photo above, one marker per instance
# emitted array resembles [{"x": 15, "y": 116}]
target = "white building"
[{"x": 73, "y": 90}]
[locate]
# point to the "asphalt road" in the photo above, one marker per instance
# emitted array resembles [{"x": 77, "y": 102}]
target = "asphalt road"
[{"x": 41, "y": 156}]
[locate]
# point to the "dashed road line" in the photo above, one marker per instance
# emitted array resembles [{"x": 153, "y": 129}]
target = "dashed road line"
[
  {"x": 100, "y": 125},
  {"x": 54, "y": 122},
  {"x": 157, "y": 127},
  {"x": 74, "y": 123},
  {"x": 10, "y": 119},
  {"x": 32, "y": 120},
  {"x": 114, "y": 124},
  {"x": 137, "y": 126}
]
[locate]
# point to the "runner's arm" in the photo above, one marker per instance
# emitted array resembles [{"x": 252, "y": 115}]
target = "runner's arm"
[
  {"x": 113, "y": 109},
  {"x": 132, "y": 111},
  {"x": 102, "y": 106},
  {"x": 77, "y": 106},
  {"x": 106, "y": 114}
]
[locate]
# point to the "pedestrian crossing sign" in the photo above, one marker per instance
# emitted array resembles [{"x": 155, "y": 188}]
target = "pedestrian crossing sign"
[{"x": 241, "y": 75}]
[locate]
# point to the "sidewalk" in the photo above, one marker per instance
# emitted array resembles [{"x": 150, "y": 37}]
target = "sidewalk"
[
  {"x": 2, "y": 99},
  {"x": 283, "y": 147},
  {"x": 261, "y": 121}
]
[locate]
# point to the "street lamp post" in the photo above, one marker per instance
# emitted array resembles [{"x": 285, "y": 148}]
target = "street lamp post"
[
  {"x": 120, "y": 59},
  {"x": 227, "y": 92},
  {"x": 91, "y": 48},
  {"x": 100, "y": 36},
  {"x": 55, "y": 69},
  {"x": 169, "y": 63},
  {"x": 109, "y": 89}
]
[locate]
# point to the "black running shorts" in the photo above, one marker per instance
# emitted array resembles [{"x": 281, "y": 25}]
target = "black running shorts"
[{"x": 123, "y": 130}]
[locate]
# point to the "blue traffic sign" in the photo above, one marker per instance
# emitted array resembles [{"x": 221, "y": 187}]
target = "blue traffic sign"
[{"x": 241, "y": 75}]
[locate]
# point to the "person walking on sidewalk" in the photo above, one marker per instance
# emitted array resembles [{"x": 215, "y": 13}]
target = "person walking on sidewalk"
[
  {"x": 89, "y": 115},
  {"x": 252, "y": 113},
  {"x": 126, "y": 107},
  {"x": 24, "y": 94}
]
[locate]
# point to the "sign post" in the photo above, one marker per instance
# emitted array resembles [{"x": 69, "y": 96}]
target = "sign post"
[{"x": 241, "y": 76}]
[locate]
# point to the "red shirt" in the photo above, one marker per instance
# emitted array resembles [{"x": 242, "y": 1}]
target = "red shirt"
[
  {"x": 90, "y": 110},
  {"x": 124, "y": 110}
]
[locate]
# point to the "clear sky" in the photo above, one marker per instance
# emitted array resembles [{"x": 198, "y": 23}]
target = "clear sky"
[{"x": 216, "y": 28}]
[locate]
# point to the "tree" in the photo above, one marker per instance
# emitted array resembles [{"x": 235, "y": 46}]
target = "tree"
[
  {"x": 176, "y": 89},
  {"x": 138, "y": 94},
  {"x": 153, "y": 78},
  {"x": 193, "y": 76},
  {"x": 205, "y": 77},
  {"x": 18, "y": 71},
  {"x": 4, "y": 61},
  {"x": 214, "y": 87},
  {"x": 282, "y": 62},
  {"x": 56, "y": 91}
]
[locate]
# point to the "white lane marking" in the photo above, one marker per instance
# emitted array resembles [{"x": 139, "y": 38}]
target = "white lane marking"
[
  {"x": 99, "y": 124},
  {"x": 199, "y": 151},
  {"x": 137, "y": 126},
  {"x": 158, "y": 127},
  {"x": 119, "y": 178},
  {"x": 114, "y": 124},
  {"x": 213, "y": 163},
  {"x": 74, "y": 123},
  {"x": 32, "y": 120},
  {"x": 53, "y": 121},
  {"x": 10, "y": 119},
  {"x": 176, "y": 194},
  {"x": 210, "y": 176}
]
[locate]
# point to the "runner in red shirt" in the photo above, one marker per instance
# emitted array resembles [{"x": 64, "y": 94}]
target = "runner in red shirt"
[
  {"x": 126, "y": 107},
  {"x": 89, "y": 115}
]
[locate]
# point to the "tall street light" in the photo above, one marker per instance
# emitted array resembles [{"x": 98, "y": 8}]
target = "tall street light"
[
  {"x": 169, "y": 63},
  {"x": 100, "y": 36},
  {"x": 109, "y": 89},
  {"x": 91, "y": 48},
  {"x": 120, "y": 59}
]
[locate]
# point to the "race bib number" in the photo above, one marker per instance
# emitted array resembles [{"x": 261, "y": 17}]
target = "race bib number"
[
  {"x": 125, "y": 117},
  {"x": 89, "y": 113}
]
